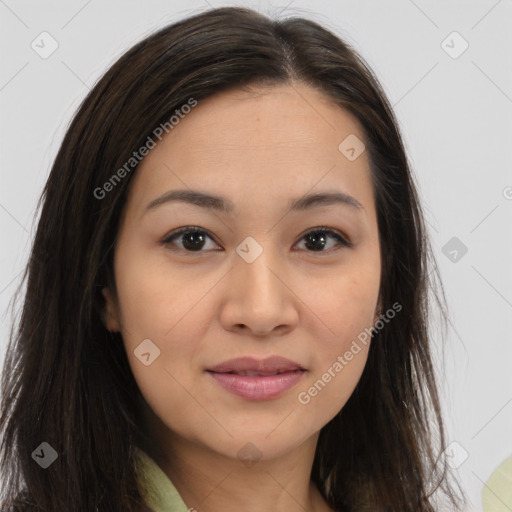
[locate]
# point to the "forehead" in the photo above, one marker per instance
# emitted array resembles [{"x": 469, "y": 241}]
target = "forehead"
[
  {"x": 280, "y": 140},
  {"x": 257, "y": 118}
]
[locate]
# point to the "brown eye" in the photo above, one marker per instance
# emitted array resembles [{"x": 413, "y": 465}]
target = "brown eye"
[
  {"x": 193, "y": 239},
  {"x": 316, "y": 240}
]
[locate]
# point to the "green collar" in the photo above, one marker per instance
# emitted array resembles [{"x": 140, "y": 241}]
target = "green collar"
[
  {"x": 161, "y": 495},
  {"x": 497, "y": 492}
]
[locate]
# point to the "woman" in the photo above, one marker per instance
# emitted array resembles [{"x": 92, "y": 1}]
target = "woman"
[{"x": 186, "y": 341}]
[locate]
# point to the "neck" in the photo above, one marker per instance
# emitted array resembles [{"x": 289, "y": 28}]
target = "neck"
[{"x": 211, "y": 482}]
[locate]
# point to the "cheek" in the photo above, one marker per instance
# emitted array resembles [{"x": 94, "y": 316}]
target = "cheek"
[
  {"x": 170, "y": 319},
  {"x": 345, "y": 314},
  {"x": 327, "y": 392},
  {"x": 154, "y": 299},
  {"x": 338, "y": 365},
  {"x": 165, "y": 307},
  {"x": 347, "y": 308}
]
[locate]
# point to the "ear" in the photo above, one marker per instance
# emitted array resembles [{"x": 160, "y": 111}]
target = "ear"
[{"x": 110, "y": 314}]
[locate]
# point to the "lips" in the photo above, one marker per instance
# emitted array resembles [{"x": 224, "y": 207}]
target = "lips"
[
  {"x": 249, "y": 366},
  {"x": 253, "y": 374},
  {"x": 254, "y": 379}
]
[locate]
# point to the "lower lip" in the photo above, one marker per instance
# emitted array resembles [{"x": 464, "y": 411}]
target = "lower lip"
[{"x": 258, "y": 387}]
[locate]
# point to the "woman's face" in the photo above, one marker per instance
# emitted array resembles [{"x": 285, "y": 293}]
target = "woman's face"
[{"x": 249, "y": 281}]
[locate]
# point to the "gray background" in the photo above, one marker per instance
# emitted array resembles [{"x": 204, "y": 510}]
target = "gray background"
[{"x": 455, "y": 115}]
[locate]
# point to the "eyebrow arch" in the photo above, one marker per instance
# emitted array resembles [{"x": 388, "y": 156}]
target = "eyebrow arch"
[{"x": 226, "y": 206}]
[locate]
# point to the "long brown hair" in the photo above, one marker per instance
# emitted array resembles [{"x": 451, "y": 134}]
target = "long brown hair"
[{"x": 66, "y": 379}]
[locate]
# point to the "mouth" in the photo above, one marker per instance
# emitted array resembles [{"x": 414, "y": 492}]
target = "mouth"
[
  {"x": 274, "y": 365},
  {"x": 249, "y": 373},
  {"x": 253, "y": 379}
]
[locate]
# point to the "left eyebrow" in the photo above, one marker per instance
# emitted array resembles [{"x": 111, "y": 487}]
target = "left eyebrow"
[{"x": 224, "y": 205}]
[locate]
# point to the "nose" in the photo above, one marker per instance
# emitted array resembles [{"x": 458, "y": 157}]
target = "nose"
[{"x": 259, "y": 298}]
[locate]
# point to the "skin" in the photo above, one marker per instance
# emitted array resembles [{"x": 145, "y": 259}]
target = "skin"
[{"x": 259, "y": 149}]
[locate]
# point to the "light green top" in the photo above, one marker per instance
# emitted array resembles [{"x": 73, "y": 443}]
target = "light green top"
[
  {"x": 497, "y": 492},
  {"x": 161, "y": 495}
]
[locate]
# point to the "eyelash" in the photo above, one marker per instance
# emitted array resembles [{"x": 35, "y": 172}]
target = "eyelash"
[{"x": 342, "y": 241}]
